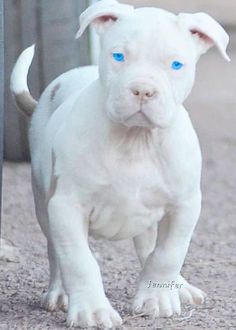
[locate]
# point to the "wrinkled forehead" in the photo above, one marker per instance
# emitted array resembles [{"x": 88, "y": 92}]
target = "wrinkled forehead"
[{"x": 149, "y": 28}]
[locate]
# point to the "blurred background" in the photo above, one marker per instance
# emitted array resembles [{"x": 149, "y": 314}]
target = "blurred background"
[{"x": 52, "y": 26}]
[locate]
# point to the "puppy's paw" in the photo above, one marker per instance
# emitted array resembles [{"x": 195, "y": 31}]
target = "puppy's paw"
[
  {"x": 53, "y": 299},
  {"x": 164, "y": 298},
  {"x": 86, "y": 314},
  {"x": 157, "y": 302},
  {"x": 190, "y": 294}
]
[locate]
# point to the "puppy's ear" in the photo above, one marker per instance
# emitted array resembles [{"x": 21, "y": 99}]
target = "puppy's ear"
[
  {"x": 102, "y": 15},
  {"x": 206, "y": 32}
]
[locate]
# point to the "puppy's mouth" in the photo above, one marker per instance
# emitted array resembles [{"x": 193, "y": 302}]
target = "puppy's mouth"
[{"x": 140, "y": 119}]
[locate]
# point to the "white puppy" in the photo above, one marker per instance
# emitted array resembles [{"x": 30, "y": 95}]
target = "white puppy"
[{"x": 115, "y": 154}]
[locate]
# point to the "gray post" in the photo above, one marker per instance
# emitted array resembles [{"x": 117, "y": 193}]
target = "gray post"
[{"x": 1, "y": 100}]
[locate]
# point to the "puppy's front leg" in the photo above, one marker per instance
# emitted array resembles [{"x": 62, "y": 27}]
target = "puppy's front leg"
[
  {"x": 161, "y": 287},
  {"x": 145, "y": 243},
  {"x": 88, "y": 305}
]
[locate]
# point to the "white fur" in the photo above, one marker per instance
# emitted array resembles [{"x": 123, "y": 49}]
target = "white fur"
[
  {"x": 20, "y": 71},
  {"x": 120, "y": 164}
]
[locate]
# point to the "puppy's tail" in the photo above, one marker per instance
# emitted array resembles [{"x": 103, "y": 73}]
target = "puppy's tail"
[{"x": 18, "y": 84}]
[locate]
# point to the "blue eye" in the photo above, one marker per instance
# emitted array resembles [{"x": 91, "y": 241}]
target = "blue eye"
[
  {"x": 119, "y": 57},
  {"x": 176, "y": 65}
]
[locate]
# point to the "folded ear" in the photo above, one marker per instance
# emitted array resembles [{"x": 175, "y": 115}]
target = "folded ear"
[
  {"x": 206, "y": 32},
  {"x": 103, "y": 14}
]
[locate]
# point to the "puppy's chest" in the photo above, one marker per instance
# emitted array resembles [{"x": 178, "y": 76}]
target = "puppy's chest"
[
  {"x": 135, "y": 178},
  {"x": 133, "y": 197},
  {"x": 140, "y": 180}
]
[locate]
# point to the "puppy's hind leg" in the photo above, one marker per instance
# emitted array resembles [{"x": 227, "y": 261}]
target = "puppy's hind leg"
[
  {"x": 55, "y": 296},
  {"x": 145, "y": 243}
]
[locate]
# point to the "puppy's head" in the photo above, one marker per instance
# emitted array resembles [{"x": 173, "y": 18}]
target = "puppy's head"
[{"x": 148, "y": 58}]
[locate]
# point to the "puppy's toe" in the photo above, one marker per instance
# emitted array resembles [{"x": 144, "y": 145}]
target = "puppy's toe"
[
  {"x": 52, "y": 299},
  {"x": 190, "y": 294}
]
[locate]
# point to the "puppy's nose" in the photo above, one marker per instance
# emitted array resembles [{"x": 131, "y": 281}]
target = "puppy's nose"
[{"x": 144, "y": 92}]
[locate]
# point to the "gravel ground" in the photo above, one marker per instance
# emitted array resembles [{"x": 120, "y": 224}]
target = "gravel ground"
[{"x": 211, "y": 260}]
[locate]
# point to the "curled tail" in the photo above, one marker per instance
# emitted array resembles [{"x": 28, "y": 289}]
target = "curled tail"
[{"x": 24, "y": 100}]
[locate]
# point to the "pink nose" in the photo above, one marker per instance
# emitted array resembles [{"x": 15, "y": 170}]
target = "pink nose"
[{"x": 143, "y": 91}]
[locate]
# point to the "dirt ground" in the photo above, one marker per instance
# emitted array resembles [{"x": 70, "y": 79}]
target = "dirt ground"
[{"x": 211, "y": 260}]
